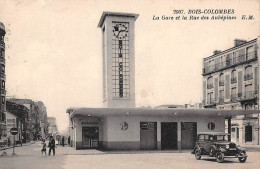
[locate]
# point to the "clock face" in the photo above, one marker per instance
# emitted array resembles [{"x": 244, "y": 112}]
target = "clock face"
[{"x": 120, "y": 31}]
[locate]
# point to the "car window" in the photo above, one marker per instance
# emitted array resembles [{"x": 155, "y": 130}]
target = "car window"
[{"x": 201, "y": 137}]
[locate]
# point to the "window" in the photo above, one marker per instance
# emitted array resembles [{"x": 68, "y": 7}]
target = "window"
[
  {"x": 250, "y": 53},
  {"x": 248, "y": 92},
  {"x": 211, "y": 126},
  {"x": 3, "y": 99},
  {"x": 3, "y": 84},
  {"x": 210, "y": 98},
  {"x": 210, "y": 83},
  {"x": 233, "y": 76},
  {"x": 201, "y": 137},
  {"x": 221, "y": 79},
  {"x": 248, "y": 73},
  {"x": 233, "y": 94}
]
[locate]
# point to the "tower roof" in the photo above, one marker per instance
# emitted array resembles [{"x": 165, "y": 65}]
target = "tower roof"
[{"x": 106, "y": 13}]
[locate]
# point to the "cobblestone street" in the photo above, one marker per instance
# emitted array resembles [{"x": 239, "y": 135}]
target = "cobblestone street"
[{"x": 29, "y": 157}]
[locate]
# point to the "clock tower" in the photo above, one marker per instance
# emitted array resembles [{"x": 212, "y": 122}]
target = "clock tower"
[{"x": 118, "y": 59}]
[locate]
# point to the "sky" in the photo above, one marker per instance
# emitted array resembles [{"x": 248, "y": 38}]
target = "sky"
[{"x": 54, "y": 54}]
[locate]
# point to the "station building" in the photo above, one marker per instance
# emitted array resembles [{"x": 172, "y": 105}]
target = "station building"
[{"x": 119, "y": 125}]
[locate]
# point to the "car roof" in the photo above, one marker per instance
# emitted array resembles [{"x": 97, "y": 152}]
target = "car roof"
[{"x": 212, "y": 133}]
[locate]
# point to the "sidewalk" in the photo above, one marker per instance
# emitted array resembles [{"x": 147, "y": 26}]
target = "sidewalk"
[{"x": 17, "y": 145}]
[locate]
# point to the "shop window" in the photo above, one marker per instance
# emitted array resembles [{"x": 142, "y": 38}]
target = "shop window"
[{"x": 211, "y": 126}]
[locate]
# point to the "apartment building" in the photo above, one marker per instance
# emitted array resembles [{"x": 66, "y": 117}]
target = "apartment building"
[
  {"x": 231, "y": 81},
  {"x": 3, "y": 131}
]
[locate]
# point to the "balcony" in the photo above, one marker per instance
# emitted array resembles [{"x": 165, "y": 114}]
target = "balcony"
[
  {"x": 211, "y": 101},
  {"x": 249, "y": 95},
  {"x": 221, "y": 99},
  {"x": 221, "y": 83},
  {"x": 230, "y": 63},
  {"x": 233, "y": 80},
  {"x": 248, "y": 76},
  {"x": 210, "y": 86}
]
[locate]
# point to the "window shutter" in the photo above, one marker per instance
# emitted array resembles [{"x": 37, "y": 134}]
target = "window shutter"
[
  {"x": 239, "y": 83},
  {"x": 216, "y": 88},
  {"x": 204, "y": 90},
  {"x": 256, "y": 79},
  {"x": 227, "y": 87}
]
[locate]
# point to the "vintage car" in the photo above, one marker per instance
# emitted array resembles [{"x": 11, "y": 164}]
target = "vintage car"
[{"x": 215, "y": 144}]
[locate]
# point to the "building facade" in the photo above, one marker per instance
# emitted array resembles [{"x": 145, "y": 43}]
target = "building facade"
[
  {"x": 119, "y": 125},
  {"x": 231, "y": 82},
  {"x": 33, "y": 121},
  {"x": 17, "y": 116},
  {"x": 3, "y": 133},
  {"x": 52, "y": 126}
]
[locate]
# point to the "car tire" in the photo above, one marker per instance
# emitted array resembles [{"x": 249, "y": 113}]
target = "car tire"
[
  {"x": 220, "y": 157},
  {"x": 242, "y": 159},
  {"x": 197, "y": 154},
  {"x": 212, "y": 152}
]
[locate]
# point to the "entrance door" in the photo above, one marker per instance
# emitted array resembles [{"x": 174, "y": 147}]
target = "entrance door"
[
  {"x": 90, "y": 137},
  {"x": 248, "y": 133},
  {"x": 188, "y": 135},
  {"x": 169, "y": 135},
  {"x": 148, "y": 135}
]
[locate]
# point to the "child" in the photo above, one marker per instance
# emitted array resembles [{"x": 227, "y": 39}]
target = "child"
[{"x": 43, "y": 147}]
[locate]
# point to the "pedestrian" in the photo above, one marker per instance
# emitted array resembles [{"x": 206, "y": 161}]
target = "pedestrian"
[
  {"x": 69, "y": 140},
  {"x": 62, "y": 141},
  {"x": 43, "y": 147},
  {"x": 51, "y": 146}
]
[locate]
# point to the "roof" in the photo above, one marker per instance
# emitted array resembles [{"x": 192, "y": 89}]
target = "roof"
[
  {"x": 107, "y": 13},
  {"x": 157, "y": 112},
  {"x": 230, "y": 49},
  {"x": 213, "y": 133}
]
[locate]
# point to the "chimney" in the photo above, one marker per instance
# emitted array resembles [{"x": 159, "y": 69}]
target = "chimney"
[
  {"x": 216, "y": 52},
  {"x": 238, "y": 42}
]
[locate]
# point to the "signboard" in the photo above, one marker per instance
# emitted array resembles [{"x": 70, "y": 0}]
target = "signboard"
[{"x": 14, "y": 131}]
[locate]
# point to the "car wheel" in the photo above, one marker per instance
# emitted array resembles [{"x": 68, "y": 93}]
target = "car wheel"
[
  {"x": 220, "y": 157},
  {"x": 243, "y": 158},
  {"x": 197, "y": 154},
  {"x": 212, "y": 152}
]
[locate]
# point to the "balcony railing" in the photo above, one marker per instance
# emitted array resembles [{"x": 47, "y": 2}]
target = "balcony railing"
[
  {"x": 247, "y": 95},
  {"x": 233, "y": 80},
  {"x": 221, "y": 99},
  {"x": 211, "y": 101},
  {"x": 221, "y": 83},
  {"x": 210, "y": 86},
  {"x": 230, "y": 62},
  {"x": 248, "y": 76}
]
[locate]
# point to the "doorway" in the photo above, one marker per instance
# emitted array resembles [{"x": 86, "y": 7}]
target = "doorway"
[
  {"x": 90, "y": 137},
  {"x": 169, "y": 135},
  {"x": 248, "y": 133},
  {"x": 188, "y": 135},
  {"x": 148, "y": 135}
]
